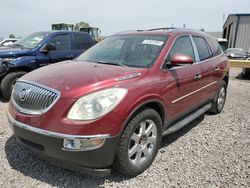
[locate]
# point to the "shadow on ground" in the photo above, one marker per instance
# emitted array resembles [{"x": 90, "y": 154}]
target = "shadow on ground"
[
  {"x": 21, "y": 159},
  {"x": 169, "y": 139},
  {"x": 241, "y": 77}
]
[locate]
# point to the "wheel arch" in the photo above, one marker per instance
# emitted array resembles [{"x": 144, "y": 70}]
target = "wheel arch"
[
  {"x": 21, "y": 69},
  {"x": 226, "y": 79},
  {"x": 156, "y": 105}
]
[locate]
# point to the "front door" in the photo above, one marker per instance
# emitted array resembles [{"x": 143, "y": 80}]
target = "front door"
[{"x": 184, "y": 80}]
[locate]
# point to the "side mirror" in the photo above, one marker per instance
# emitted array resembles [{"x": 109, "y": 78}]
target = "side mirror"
[
  {"x": 48, "y": 47},
  {"x": 181, "y": 59}
]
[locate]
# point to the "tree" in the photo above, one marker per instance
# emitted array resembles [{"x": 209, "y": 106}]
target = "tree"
[
  {"x": 11, "y": 36},
  {"x": 80, "y": 25}
]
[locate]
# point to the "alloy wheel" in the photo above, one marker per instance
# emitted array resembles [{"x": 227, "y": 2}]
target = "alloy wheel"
[
  {"x": 221, "y": 98},
  {"x": 142, "y": 142}
]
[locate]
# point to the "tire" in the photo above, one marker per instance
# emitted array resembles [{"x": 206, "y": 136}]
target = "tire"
[
  {"x": 139, "y": 143},
  {"x": 219, "y": 99},
  {"x": 8, "y": 82}
]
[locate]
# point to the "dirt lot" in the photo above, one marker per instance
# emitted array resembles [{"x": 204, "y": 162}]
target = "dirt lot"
[{"x": 213, "y": 151}]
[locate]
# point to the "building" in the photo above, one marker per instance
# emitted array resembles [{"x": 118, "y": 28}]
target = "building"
[{"x": 236, "y": 30}]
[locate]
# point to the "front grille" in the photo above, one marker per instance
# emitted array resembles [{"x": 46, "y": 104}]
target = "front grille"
[{"x": 33, "y": 98}]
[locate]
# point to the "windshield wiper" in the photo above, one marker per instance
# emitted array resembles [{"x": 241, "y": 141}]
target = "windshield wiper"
[{"x": 112, "y": 63}]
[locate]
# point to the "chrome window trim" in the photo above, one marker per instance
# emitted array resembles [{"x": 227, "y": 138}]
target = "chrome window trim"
[
  {"x": 204, "y": 61},
  {"x": 193, "y": 92},
  {"x": 197, "y": 59},
  {"x": 185, "y": 66},
  {"x": 14, "y": 122},
  {"x": 20, "y": 109}
]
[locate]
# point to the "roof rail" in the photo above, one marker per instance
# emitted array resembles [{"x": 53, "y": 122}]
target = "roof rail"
[
  {"x": 129, "y": 31},
  {"x": 162, "y": 28},
  {"x": 153, "y": 29}
]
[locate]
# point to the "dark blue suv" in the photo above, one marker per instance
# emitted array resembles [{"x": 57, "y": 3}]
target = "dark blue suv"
[{"x": 36, "y": 50}]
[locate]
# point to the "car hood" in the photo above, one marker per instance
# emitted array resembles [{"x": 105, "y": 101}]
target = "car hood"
[
  {"x": 77, "y": 78},
  {"x": 6, "y": 52}
]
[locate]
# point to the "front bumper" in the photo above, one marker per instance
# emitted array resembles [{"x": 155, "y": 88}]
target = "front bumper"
[{"x": 49, "y": 146}]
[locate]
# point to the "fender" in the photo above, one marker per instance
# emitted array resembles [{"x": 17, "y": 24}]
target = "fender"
[
  {"x": 139, "y": 104},
  {"x": 25, "y": 61}
]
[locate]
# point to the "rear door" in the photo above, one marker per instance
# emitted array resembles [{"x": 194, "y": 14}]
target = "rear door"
[
  {"x": 183, "y": 80},
  {"x": 209, "y": 68},
  {"x": 62, "y": 48},
  {"x": 80, "y": 43}
]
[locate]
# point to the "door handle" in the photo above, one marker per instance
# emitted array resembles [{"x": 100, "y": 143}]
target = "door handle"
[
  {"x": 69, "y": 56},
  {"x": 217, "y": 68},
  {"x": 197, "y": 77}
]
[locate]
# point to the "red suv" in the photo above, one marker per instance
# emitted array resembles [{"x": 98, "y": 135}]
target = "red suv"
[{"x": 112, "y": 105}]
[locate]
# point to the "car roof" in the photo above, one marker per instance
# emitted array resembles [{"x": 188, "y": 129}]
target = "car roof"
[
  {"x": 59, "y": 32},
  {"x": 164, "y": 31}
]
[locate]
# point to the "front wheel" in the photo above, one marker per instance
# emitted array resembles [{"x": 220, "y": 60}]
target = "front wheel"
[
  {"x": 220, "y": 99},
  {"x": 8, "y": 83},
  {"x": 139, "y": 143}
]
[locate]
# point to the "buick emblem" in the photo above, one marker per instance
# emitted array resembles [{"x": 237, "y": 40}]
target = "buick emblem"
[{"x": 23, "y": 95}]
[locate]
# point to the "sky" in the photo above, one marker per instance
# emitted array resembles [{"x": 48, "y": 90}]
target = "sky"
[{"x": 21, "y": 17}]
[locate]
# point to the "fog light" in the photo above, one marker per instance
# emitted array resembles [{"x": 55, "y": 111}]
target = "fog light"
[{"x": 82, "y": 144}]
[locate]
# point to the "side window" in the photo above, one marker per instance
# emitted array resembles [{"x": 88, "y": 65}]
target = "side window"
[
  {"x": 202, "y": 47},
  {"x": 182, "y": 45},
  {"x": 218, "y": 48},
  {"x": 81, "y": 42},
  {"x": 60, "y": 43}
]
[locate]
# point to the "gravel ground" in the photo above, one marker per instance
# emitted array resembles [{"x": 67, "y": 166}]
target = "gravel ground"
[{"x": 213, "y": 151}]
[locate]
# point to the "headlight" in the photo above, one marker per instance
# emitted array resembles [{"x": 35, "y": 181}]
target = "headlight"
[
  {"x": 96, "y": 104},
  {"x": 9, "y": 59}
]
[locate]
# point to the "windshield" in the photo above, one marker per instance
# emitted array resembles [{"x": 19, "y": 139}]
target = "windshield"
[
  {"x": 31, "y": 40},
  {"x": 127, "y": 50}
]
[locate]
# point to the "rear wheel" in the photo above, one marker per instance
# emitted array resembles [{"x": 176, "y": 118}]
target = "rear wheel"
[
  {"x": 220, "y": 99},
  {"x": 8, "y": 83},
  {"x": 139, "y": 143}
]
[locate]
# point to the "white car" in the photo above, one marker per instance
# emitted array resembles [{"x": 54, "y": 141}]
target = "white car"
[{"x": 8, "y": 41}]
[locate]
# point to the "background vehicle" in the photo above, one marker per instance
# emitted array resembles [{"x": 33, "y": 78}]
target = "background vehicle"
[
  {"x": 117, "y": 100},
  {"x": 37, "y": 50},
  {"x": 94, "y": 32},
  {"x": 7, "y": 42},
  {"x": 236, "y": 53},
  {"x": 62, "y": 27},
  {"x": 223, "y": 43}
]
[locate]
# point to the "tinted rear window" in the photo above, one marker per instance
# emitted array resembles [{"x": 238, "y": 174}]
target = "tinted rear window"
[
  {"x": 216, "y": 48},
  {"x": 81, "y": 42}
]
